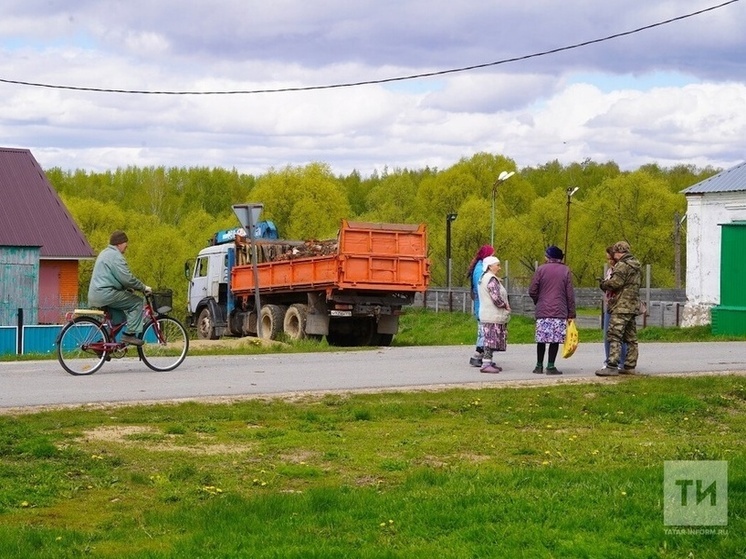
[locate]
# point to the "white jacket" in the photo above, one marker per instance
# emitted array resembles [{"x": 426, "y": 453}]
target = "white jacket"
[{"x": 488, "y": 312}]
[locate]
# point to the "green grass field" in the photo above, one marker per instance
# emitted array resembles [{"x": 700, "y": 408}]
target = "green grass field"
[
  {"x": 567, "y": 470},
  {"x": 571, "y": 470},
  {"x": 421, "y": 327}
]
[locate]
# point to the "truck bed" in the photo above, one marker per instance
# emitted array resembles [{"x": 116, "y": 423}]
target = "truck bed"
[{"x": 369, "y": 256}]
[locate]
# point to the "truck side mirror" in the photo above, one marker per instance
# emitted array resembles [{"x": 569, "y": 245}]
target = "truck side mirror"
[{"x": 188, "y": 270}]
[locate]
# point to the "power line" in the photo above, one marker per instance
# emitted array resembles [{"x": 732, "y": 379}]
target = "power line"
[{"x": 382, "y": 80}]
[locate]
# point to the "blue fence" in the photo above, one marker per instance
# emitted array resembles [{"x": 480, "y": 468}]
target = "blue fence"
[{"x": 36, "y": 339}]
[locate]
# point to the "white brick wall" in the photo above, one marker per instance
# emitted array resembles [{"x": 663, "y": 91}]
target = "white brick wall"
[{"x": 704, "y": 214}]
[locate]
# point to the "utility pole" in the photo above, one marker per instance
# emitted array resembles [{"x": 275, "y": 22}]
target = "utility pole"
[
  {"x": 450, "y": 218},
  {"x": 502, "y": 177},
  {"x": 570, "y": 191},
  {"x": 677, "y": 249}
]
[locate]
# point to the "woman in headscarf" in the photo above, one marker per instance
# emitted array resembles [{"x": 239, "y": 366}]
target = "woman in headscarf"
[
  {"x": 494, "y": 313},
  {"x": 476, "y": 269},
  {"x": 552, "y": 292}
]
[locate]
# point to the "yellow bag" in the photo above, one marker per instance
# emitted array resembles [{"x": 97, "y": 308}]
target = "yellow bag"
[{"x": 571, "y": 339}]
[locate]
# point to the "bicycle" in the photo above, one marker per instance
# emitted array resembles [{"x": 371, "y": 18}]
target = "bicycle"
[{"x": 88, "y": 339}]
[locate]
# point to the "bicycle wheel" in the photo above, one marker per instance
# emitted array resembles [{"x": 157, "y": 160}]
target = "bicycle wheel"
[
  {"x": 167, "y": 351},
  {"x": 74, "y": 346}
]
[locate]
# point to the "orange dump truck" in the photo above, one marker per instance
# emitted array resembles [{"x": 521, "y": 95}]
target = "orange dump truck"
[{"x": 350, "y": 289}]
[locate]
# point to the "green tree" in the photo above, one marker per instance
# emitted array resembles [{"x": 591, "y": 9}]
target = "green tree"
[
  {"x": 542, "y": 226},
  {"x": 392, "y": 198},
  {"x": 635, "y": 207},
  {"x": 304, "y": 202},
  {"x": 95, "y": 217},
  {"x": 443, "y": 193},
  {"x": 470, "y": 231},
  {"x": 678, "y": 177},
  {"x": 308, "y": 202},
  {"x": 357, "y": 191}
]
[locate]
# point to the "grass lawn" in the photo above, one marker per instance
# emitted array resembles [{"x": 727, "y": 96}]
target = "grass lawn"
[
  {"x": 571, "y": 470},
  {"x": 421, "y": 327}
]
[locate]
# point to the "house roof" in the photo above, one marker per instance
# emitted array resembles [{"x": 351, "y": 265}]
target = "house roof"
[
  {"x": 730, "y": 180},
  {"x": 32, "y": 213}
]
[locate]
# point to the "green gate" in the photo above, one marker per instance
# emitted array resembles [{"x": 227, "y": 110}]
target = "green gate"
[{"x": 729, "y": 317}]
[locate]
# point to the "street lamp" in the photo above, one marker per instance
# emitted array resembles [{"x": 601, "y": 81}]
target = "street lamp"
[
  {"x": 449, "y": 218},
  {"x": 504, "y": 175},
  {"x": 570, "y": 192}
]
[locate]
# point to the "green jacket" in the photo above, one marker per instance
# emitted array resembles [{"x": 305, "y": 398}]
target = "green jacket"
[
  {"x": 111, "y": 273},
  {"x": 624, "y": 283}
]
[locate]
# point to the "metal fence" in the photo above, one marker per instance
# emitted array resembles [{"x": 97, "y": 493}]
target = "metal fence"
[
  {"x": 665, "y": 306},
  {"x": 33, "y": 330}
]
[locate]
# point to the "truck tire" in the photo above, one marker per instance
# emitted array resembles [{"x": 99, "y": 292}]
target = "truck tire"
[
  {"x": 272, "y": 318},
  {"x": 338, "y": 339},
  {"x": 206, "y": 325},
  {"x": 295, "y": 321},
  {"x": 366, "y": 334},
  {"x": 385, "y": 340},
  {"x": 349, "y": 332}
]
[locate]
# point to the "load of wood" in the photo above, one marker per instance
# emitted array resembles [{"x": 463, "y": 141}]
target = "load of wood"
[
  {"x": 275, "y": 251},
  {"x": 309, "y": 248}
]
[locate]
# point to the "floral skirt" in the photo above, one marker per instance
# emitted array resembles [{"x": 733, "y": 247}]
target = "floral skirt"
[
  {"x": 495, "y": 335},
  {"x": 551, "y": 330}
]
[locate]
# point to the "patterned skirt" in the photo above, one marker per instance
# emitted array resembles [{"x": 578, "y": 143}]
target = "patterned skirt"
[
  {"x": 551, "y": 330},
  {"x": 495, "y": 335}
]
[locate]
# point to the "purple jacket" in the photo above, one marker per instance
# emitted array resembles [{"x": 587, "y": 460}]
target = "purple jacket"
[{"x": 552, "y": 292}]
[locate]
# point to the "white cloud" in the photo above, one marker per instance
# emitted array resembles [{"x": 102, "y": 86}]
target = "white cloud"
[{"x": 672, "y": 94}]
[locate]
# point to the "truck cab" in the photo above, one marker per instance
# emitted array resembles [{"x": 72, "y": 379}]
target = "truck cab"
[
  {"x": 208, "y": 290},
  {"x": 209, "y": 298}
]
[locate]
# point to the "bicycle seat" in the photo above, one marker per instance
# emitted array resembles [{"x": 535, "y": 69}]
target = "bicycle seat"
[{"x": 88, "y": 312}]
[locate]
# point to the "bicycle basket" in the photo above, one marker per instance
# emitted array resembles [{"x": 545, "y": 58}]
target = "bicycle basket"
[{"x": 163, "y": 298}]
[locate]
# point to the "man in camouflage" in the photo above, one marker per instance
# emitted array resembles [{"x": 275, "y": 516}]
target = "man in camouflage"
[{"x": 624, "y": 304}]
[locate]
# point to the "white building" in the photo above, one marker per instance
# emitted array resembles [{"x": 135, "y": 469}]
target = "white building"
[{"x": 715, "y": 201}]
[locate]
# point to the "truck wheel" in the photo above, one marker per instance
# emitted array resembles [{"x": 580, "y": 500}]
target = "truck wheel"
[
  {"x": 338, "y": 339},
  {"x": 385, "y": 339},
  {"x": 272, "y": 319},
  {"x": 295, "y": 321},
  {"x": 348, "y": 332},
  {"x": 366, "y": 333},
  {"x": 206, "y": 325},
  {"x": 340, "y": 333}
]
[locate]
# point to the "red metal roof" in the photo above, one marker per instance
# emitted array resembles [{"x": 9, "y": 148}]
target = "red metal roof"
[{"x": 31, "y": 212}]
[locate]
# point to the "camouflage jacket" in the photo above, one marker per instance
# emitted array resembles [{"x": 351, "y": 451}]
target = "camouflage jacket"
[{"x": 624, "y": 285}]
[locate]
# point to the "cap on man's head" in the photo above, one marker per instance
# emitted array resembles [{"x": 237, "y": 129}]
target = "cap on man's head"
[
  {"x": 621, "y": 246},
  {"x": 554, "y": 252},
  {"x": 118, "y": 237}
]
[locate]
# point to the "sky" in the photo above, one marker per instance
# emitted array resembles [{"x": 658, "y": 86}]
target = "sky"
[{"x": 371, "y": 85}]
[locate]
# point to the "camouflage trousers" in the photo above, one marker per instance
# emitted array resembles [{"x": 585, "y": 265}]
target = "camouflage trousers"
[{"x": 622, "y": 328}]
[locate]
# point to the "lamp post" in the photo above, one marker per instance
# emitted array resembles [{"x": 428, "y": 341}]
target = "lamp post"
[
  {"x": 449, "y": 218},
  {"x": 570, "y": 192},
  {"x": 677, "y": 223},
  {"x": 502, "y": 177}
]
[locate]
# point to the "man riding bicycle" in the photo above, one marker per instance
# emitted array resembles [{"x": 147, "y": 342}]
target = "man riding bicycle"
[{"x": 112, "y": 284}]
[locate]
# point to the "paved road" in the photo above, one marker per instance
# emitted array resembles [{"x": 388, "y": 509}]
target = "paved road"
[{"x": 44, "y": 383}]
